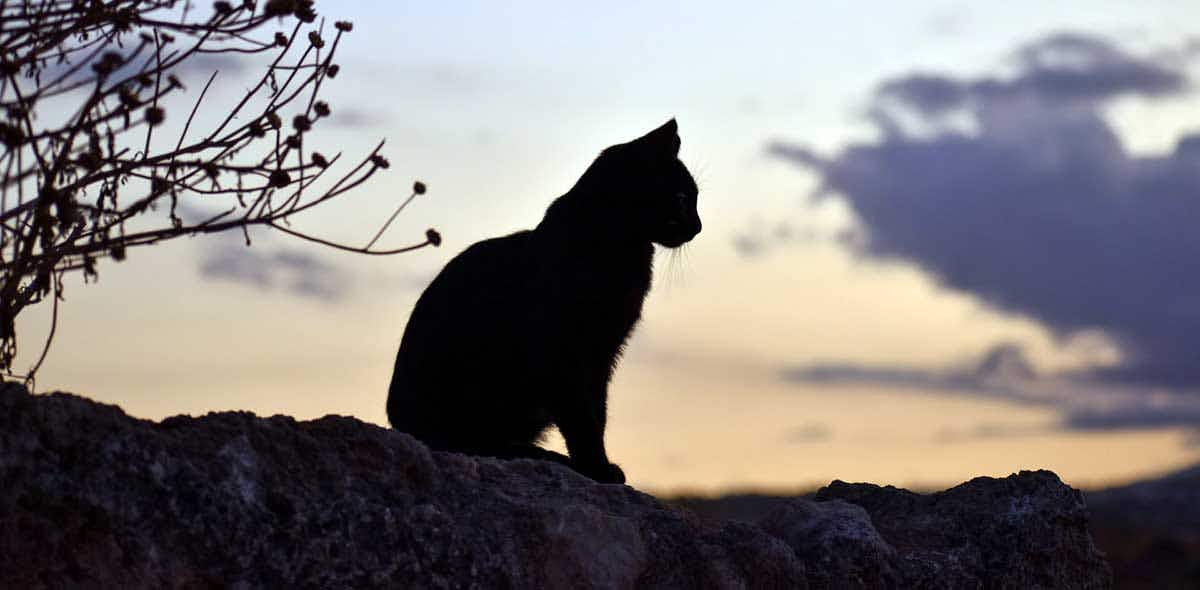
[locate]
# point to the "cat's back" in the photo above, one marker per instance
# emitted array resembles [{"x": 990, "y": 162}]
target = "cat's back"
[
  {"x": 486, "y": 270},
  {"x": 465, "y": 328},
  {"x": 475, "y": 295}
]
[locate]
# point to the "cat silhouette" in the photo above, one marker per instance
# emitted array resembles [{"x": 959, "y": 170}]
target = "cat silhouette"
[{"x": 522, "y": 332}]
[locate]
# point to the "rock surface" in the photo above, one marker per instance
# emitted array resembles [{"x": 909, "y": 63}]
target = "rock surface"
[{"x": 93, "y": 498}]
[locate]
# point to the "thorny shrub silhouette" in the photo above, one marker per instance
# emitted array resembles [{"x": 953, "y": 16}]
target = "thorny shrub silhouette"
[{"x": 93, "y": 184}]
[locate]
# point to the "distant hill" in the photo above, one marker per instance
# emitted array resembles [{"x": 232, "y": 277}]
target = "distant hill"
[{"x": 1151, "y": 530}]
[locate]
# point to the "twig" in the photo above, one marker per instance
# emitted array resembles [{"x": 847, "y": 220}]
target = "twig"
[{"x": 390, "y": 220}]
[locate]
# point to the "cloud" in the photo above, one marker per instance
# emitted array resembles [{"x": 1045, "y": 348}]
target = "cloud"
[
  {"x": 1000, "y": 372},
  {"x": 749, "y": 245},
  {"x": 194, "y": 69},
  {"x": 810, "y": 432},
  {"x": 1071, "y": 66},
  {"x": 990, "y": 431},
  {"x": 199, "y": 67},
  {"x": 1146, "y": 411},
  {"x": 352, "y": 117},
  {"x": 1004, "y": 373},
  {"x": 757, "y": 239},
  {"x": 267, "y": 268},
  {"x": 1065, "y": 69},
  {"x": 1015, "y": 189},
  {"x": 929, "y": 94}
]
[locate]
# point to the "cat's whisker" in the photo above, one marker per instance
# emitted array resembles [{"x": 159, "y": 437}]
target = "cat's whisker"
[
  {"x": 675, "y": 272},
  {"x": 678, "y": 261}
]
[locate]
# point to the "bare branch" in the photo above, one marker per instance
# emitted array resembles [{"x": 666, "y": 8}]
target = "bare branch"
[{"x": 70, "y": 188}]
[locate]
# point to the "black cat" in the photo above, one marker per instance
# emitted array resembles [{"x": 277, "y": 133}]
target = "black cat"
[{"x": 524, "y": 331}]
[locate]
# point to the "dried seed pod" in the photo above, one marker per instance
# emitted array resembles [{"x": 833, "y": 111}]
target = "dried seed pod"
[
  {"x": 155, "y": 115},
  {"x": 280, "y": 179}
]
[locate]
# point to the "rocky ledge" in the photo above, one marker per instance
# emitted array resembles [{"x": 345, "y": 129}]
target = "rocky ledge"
[{"x": 93, "y": 498}]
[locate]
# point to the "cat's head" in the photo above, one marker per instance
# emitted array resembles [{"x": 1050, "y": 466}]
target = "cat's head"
[{"x": 654, "y": 192}]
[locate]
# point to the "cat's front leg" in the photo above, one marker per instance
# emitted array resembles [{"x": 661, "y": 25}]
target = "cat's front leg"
[
  {"x": 606, "y": 473},
  {"x": 581, "y": 421}
]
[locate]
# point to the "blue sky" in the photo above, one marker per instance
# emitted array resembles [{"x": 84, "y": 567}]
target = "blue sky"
[{"x": 499, "y": 107}]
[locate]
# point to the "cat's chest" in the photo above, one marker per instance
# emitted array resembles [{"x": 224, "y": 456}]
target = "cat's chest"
[
  {"x": 625, "y": 304},
  {"x": 618, "y": 287},
  {"x": 605, "y": 301},
  {"x": 600, "y": 288}
]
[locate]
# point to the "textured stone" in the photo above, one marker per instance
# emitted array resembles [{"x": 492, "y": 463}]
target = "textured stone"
[
  {"x": 838, "y": 541},
  {"x": 1024, "y": 531},
  {"x": 93, "y": 498}
]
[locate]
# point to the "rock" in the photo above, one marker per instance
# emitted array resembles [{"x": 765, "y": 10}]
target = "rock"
[
  {"x": 94, "y": 498},
  {"x": 838, "y": 541},
  {"x": 1027, "y": 530}
]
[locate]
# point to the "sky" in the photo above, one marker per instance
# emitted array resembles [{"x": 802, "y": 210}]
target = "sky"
[{"x": 940, "y": 240}]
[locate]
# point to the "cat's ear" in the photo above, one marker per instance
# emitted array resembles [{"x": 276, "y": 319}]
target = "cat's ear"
[{"x": 662, "y": 142}]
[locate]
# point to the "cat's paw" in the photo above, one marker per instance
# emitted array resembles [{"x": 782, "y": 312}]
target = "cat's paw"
[{"x": 606, "y": 473}]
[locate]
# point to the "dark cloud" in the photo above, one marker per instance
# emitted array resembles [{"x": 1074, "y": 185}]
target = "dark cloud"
[
  {"x": 1000, "y": 372},
  {"x": 1033, "y": 204},
  {"x": 929, "y": 94},
  {"x": 1066, "y": 68},
  {"x": 1003, "y": 373},
  {"x": 273, "y": 268},
  {"x": 1140, "y": 412},
  {"x": 1071, "y": 66}
]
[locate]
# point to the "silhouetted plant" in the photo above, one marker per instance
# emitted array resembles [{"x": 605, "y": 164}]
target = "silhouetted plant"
[{"x": 83, "y": 188}]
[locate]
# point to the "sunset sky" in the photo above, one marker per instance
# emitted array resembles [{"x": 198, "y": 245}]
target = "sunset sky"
[{"x": 940, "y": 240}]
